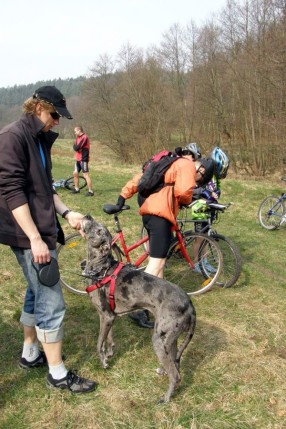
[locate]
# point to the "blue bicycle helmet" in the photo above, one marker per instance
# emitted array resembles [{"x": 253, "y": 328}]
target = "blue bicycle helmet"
[{"x": 222, "y": 162}]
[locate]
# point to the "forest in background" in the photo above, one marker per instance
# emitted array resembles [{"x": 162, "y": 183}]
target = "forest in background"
[{"x": 219, "y": 84}]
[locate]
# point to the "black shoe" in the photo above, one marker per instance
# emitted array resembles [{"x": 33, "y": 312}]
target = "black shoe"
[
  {"x": 75, "y": 191},
  {"x": 72, "y": 382},
  {"x": 141, "y": 319},
  {"x": 39, "y": 362},
  {"x": 89, "y": 194}
]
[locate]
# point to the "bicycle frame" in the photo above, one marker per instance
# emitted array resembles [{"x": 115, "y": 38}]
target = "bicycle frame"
[
  {"x": 272, "y": 211},
  {"x": 126, "y": 250}
]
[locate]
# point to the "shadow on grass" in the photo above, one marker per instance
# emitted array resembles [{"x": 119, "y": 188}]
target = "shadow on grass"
[
  {"x": 207, "y": 342},
  {"x": 13, "y": 379}
]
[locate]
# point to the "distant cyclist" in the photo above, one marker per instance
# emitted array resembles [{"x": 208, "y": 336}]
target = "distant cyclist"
[{"x": 82, "y": 152}]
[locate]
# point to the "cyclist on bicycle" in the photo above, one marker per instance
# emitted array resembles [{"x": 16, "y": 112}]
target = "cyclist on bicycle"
[
  {"x": 160, "y": 209},
  {"x": 210, "y": 191}
]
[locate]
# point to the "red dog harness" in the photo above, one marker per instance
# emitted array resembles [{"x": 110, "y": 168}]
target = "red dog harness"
[{"x": 111, "y": 278}]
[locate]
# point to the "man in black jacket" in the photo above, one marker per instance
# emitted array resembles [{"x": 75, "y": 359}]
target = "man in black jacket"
[{"x": 29, "y": 225}]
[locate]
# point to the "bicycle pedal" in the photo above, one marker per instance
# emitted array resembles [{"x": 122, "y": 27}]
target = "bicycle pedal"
[{"x": 206, "y": 282}]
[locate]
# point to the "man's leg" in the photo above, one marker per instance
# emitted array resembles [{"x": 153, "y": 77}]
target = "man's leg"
[
  {"x": 85, "y": 172},
  {"x": 76, "y": 180},
  {"x": 43, "y": 313},
  {"x": 88, "y": 181}
]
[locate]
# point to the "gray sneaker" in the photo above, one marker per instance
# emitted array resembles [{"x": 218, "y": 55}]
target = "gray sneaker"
[
  {"x": 72, "y": 382},
  {"x": 89, "y": 194},
  {"x": 39, "y": 362}
]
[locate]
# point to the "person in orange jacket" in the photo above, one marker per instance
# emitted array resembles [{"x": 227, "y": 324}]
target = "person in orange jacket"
[{"x": 160, "y": 209}]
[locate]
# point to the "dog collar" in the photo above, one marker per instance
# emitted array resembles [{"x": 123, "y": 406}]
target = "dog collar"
[{"x": 111, "y": 278}]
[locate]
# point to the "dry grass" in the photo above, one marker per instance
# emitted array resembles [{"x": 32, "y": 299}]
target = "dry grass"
[{"x": 233, "y": 372}]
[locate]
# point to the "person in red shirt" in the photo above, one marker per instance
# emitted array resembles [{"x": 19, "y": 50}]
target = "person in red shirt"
[{"x": 82, "y": 150}]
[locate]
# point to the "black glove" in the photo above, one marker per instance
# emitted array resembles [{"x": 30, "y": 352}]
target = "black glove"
[{"x": 120, "y": 201}]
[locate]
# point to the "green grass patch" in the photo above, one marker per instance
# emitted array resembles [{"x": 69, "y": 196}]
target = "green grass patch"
[{"x": 233, "y": 372}]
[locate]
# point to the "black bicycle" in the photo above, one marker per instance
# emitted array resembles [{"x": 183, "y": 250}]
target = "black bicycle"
[
  {"x": 69, "y": 183},
  {"x": 271, "y": 212}
]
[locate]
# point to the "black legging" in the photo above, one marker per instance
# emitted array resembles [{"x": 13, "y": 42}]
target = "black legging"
[{"x": 160, "y": 235}]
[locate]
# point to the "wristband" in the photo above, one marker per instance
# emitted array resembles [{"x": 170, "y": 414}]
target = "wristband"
[{"x": 65, "y": 213}]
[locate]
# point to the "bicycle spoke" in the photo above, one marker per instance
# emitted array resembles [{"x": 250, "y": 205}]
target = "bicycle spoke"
[
  {"x": 71, "y": 259},
  {"x": 231, "y": 267},
  {"x": 208, "y": 259}
]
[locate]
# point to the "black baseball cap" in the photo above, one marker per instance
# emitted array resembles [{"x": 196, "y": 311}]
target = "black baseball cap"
[{"x": 51, "y": 95}]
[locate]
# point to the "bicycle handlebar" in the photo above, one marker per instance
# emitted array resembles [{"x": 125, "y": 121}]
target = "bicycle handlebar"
[{"x": 216, "y": 206}]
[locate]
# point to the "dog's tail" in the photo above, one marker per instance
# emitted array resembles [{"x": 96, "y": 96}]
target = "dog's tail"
[{"x": 190, "y": 329}]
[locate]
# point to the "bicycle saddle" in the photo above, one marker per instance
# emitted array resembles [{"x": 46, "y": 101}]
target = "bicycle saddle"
[{"x": 114, "y": 208}]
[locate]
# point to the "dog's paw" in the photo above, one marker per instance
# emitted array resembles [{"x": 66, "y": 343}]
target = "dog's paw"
[
  {"x": 160, "y": 371},
  {"x": 162, "y": 401}
]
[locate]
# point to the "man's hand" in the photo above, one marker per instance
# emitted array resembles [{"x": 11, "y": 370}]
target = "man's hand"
[
  {"x": 40, "y": 250},
  {"x": 74, "y": 219}
]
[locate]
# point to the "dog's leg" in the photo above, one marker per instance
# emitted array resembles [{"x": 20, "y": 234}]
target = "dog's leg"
[
  {"x": 105, "y": 343},
  {"x": 110, "y": 344},
  {"x": 166, "y": 351}
]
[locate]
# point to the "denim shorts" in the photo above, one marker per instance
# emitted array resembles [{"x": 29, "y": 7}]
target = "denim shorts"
[{"x": 44, "y": 307}]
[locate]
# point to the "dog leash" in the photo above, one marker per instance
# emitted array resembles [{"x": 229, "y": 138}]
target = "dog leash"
[{"x": 111, "y": 278}]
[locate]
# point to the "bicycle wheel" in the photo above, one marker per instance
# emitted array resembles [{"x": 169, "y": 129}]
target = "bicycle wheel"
[
  {"x": 232, "y": 262},
  {"x": 270, "y": 212},
  {"x": 202, "y": 249},
  {"x": 69, "y": 183},
  {"x": 72, "y": 260}
]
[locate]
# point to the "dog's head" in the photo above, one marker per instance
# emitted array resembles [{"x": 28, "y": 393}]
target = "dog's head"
[{"x": 97, "y": 235}]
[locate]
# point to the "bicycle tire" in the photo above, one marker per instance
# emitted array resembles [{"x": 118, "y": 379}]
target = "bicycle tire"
[
  {"x": 69, "y": 183},
  {"x": 232, "y": 261},
  {"x": 71, "y": 258},
  {"x": 177, "y": 270},
  {"x": 270, "y": 212}
]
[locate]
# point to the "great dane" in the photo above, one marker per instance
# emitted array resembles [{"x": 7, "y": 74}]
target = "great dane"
[{"x": 173, "y": 311}]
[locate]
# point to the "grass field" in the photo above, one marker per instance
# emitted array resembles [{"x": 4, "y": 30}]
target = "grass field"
[{"x": 234, "y": 370}]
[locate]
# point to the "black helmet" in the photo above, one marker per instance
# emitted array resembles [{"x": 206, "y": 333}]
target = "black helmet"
[{"x": 209, "y": 165}]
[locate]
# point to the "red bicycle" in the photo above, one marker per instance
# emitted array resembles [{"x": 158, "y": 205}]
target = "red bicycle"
[{"x": 194, "y": 270}]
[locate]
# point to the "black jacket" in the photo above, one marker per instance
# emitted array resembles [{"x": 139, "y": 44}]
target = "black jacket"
[{"x": 23, "y": 179}]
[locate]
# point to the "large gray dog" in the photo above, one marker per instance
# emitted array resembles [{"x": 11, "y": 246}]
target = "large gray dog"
[{"x": 134, "y": 289}]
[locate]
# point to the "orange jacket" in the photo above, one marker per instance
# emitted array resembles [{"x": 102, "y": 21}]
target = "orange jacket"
[{"x": 166, "y": 202}]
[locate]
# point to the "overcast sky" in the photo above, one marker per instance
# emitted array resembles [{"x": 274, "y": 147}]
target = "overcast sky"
[{"x": 42, "y": 40}]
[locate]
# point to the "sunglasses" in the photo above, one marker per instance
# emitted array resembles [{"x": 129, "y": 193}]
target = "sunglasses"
[
  {"x": 202, "y": 173},
  {"x": 55, "y": 115}
]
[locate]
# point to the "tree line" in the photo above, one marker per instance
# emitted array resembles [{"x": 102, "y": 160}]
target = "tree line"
[{"x": 221, "y": 84}]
